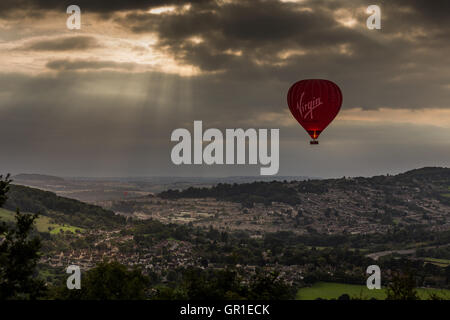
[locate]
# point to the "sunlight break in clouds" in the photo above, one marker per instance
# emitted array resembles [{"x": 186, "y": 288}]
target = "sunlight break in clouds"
[
  {"x": 346, "y": 18},
  {"x": 426, "y": 117},
  {"x": 161, "y": 10}
]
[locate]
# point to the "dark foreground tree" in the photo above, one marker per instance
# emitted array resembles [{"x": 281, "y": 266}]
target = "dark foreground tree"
[
  {"x": 108, "y": 281},
  {"x": 402, "y": 287},
  {"x": 4, "y": 188},
  {"x": 19, "y": 254},
  {"x": 270, "y": 287},
  {"x": 216, "y": 285},
  {"x": 226, "y": 284}
]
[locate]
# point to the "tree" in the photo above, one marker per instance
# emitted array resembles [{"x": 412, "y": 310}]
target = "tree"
[
  {"x": 344, "y": 296},
  {"x": 214, "y": 285},
  {"x": 4, "y": 188},
  {"x": 270, "y": 287},
  {"x": 402, "y": 287},
  {"x": 19, "y": 254},
  {"x": 108, "y": 281}
]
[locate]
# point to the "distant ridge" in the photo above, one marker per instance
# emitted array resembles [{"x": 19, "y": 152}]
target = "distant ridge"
[
  {"x": 36, "y": 177},
  {"x": 429, "y": 172},
  {"x": 287, "y": 192}
]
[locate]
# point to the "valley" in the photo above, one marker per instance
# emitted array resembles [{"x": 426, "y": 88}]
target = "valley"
[{"x": 306, "y": 231}]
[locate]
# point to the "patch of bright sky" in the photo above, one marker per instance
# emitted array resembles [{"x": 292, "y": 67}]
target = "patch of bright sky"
[
  {"x": 294, "y": 1},
  {"x": 430, "y": 117},
  {"x": 345, "y": 17},
  {"x": 115, "y": 44},
  {"x": 161, "y": 10},
  {"x": 424, "y": 117},
  {"x": 196, "y": 40},
  {"x": 170, "y": 9},
  {"x": 286, "y": 54}
]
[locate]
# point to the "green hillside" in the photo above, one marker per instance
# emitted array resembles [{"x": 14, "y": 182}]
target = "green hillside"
[
  {"x": 62, "y": 211},
  {"x": 331, "y": 290},
  {"x": 43, "y": 223}
]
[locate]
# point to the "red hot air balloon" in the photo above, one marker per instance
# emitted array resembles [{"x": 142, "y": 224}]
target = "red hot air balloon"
[{"x": 314, "y": 103}]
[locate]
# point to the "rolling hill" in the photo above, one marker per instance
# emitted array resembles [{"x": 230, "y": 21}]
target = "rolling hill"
[{"x": 63, "y": 211}]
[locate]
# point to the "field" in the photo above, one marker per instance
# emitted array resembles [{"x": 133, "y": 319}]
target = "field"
[
  {"x": 439, "y": 262},
  {"x": 447, "y": 194},
  {"x": 329, "y": 290},
  {"x": 43, "y": 223}
]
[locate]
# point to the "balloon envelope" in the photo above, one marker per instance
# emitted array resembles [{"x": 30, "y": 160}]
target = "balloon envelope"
[{"x": 314, "y": 103}]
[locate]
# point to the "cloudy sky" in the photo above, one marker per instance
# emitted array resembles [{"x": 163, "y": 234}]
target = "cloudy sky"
[{"x": 103, "y": 100}]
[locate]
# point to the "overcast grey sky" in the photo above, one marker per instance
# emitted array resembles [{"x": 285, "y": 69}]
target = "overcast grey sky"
[{"x": 103, "y": 100}]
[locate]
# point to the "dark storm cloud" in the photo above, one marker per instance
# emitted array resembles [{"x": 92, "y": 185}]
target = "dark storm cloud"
[
  {"x": 9, "y": 8},
  {"x": 64, "y": 65},
  {"x": 261, "y": 29},
  {"x": 431, "y": 12},
  {"x": 244, "y": 24},
  {"x": 243, "y": 42},
  {"x": 386, "y": 69},
  {"x": 63, "y": 44}
]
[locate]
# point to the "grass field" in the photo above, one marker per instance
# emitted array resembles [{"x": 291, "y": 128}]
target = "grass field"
[
  {"x": 330, "y": 290},
  {"x": 439, "y": 262},
  {"x": 447, "y": 194},
  {"x": 43, "y": 223}
]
